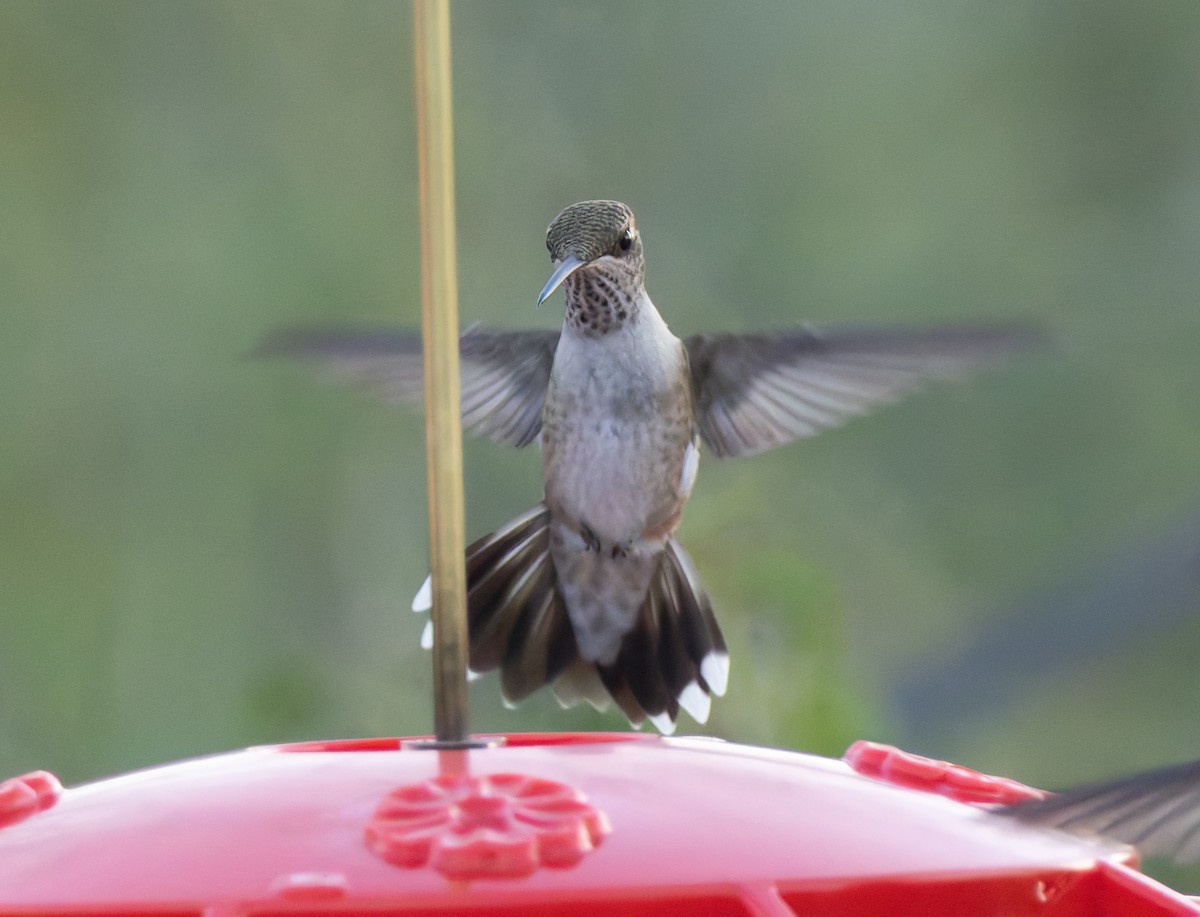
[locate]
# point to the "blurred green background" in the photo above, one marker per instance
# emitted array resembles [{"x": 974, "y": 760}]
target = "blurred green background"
[{"x": 200, "y": 552}]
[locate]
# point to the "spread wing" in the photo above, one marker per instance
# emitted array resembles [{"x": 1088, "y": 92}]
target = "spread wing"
[
  {"x": 757, "y": 391},
  {"x": 1157, "y": 811},
  {"x": 504, "y": 373}
]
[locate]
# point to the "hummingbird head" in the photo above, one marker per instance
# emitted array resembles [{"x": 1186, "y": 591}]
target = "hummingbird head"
[{"x": 596, "y": 241}]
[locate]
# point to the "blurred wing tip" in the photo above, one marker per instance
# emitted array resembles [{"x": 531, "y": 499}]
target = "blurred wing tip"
[
  {"x": 1157, "y": 811},
  {"x": 289, "y": 342},
  {"x": 427, "y": 636},
  {"x": 334, "y": 340},
  {"x": 274, "y": 342},
  {"x": 1024, "y": 337}
]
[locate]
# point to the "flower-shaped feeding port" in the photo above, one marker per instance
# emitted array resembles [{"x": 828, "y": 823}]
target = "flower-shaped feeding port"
[{"x": 485, "y": 827}]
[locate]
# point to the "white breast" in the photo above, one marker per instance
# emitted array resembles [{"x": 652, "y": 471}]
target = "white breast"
[{"x": 616, "y": 456}]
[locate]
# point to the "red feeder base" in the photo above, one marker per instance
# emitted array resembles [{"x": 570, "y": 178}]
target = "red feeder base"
[{"x": 550, "y": 824}]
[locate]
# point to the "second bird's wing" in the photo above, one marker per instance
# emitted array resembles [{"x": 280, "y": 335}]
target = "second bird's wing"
[
  {"x": 504, "y": 373},
  {"x": 1157, "y": 811},
  {"x": 757, "y": 391}
]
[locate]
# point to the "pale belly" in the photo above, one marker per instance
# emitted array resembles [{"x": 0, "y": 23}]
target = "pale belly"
[
  {"x": 615, "y": 487},
  {"x": 618, "y": 453},
  {"x": 617, "y": 477}
]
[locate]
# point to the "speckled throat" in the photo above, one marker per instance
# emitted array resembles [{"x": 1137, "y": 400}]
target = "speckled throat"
[{"x": 600, "y": 301}]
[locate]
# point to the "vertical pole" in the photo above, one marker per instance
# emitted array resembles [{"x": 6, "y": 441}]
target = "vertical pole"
[{"x": 443, "y": 427}]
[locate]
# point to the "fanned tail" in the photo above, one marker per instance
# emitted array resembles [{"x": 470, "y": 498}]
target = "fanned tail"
[{"x": 673, "y": 658}]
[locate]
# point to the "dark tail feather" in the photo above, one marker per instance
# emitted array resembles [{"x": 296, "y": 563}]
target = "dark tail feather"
[
  {"x": 702, "y": 636},
  {"x": 637, "y": 669},
  {"x": 541, "y": 646},
  {"x": 509, "y": 574},
  {"x": 674, "y": 657},
  {"x": 506, "y": 571},
  {"x": 516, "y": 618},
  {"x": 619, "y": 691}
]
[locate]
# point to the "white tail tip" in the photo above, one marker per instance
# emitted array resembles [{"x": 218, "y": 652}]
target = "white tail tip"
[
  {"x": 714, "y": 669},
  {"x": 696, "y": 702},
  {"x": 427, "y": 636},
  {"x": 663, "y": 723},
  {"x": 424, "y": 598}
]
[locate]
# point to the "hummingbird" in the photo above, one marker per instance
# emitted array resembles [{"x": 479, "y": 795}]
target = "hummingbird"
[{"x": 590, "y": 591}]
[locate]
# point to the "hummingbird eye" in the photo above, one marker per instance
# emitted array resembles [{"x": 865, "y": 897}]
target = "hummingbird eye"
[{"x": 627, "y": 238}]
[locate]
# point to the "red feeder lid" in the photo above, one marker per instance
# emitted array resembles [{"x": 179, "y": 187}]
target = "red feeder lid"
[{"x": 549, "y": 824}]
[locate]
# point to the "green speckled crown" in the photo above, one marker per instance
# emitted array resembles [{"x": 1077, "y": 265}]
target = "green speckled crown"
[{"x": 588, "y": 229}]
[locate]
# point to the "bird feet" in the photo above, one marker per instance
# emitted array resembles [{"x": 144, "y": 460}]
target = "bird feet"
[{"x": 591, "y": 542}]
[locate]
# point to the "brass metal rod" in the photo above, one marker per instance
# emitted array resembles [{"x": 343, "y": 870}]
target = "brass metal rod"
[{"x": 443, "y": 425}]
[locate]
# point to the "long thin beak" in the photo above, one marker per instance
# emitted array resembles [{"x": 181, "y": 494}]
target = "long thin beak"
[{"x": 568, "y": 266}]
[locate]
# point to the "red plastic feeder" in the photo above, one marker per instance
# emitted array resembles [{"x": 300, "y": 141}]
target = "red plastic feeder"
[{"x": 550, "y": 824}]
